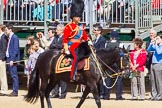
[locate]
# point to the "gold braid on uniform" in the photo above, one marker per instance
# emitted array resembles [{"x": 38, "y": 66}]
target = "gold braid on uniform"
[{"x": 76, "y": 29}]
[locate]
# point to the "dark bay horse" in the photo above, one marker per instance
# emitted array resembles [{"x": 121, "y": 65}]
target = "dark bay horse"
[{"x": 43, "y": 78}]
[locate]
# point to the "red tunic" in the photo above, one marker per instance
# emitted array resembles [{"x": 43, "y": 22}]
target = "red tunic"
[{"x": 70, "y": 32}]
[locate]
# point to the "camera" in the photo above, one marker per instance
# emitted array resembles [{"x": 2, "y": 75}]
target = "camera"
[
  {"x": 154, "y": 41},
  {"x": 39, "y": 34}
]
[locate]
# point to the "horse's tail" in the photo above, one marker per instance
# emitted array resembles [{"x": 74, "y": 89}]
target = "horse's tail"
[{"x": 33, "y": 89}]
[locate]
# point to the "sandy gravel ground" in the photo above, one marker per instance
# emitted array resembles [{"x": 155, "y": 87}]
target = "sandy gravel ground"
[{"x": 73, "y": 98}]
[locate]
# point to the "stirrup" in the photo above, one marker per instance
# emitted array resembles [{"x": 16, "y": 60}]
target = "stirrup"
[{"x": 72, "y": 81}]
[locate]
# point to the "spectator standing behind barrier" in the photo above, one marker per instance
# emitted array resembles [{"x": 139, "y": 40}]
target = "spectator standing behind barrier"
[
  {"x": 57, "y": 45},
  {"x": 57, "y": 9},
  {"x": 9, "y": 10},
  {"x": 3, "y": 47},
  {"x": 156, "y": 67},
  {"x": 112, "y": 44},
  {"x": 12, "y": 55},
  {"x": 87, "y": 11},
  {"x": 153, "y": 35},
  {"x": 32, "y": 61},
  {"x": 37, "y": 46},
  {"x": 117, "y": 11},
  {"x": 30, "y": 42},
  {"x": 44, "y": 42},
  {"x": 137, "y": 63}
]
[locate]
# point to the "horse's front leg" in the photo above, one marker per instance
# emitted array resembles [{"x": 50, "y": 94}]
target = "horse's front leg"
[
  {"x": 95, "y": 93},
  {"x": 85, "y": 93}
]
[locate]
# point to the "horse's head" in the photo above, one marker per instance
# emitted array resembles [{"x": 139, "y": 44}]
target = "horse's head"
[{"x": 124, "y": 61}]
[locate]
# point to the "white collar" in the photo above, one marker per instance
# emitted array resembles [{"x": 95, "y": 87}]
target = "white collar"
[
  {"x": 60, "y": 36},
  {"x": 11, "y": 35},
  {"x": 113, "y": 41},
  {"x": 51, "y": 39},
  {"x": 98, "y": 37}
]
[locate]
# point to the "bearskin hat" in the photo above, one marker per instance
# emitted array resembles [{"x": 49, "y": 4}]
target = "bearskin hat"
[{"x": 77, "y": 8}]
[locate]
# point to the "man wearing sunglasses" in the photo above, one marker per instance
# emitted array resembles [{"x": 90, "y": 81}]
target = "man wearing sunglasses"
[{"x": 100, "y": 41}]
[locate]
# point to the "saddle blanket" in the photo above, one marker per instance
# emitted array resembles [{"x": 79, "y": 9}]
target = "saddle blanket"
[{"x": 64, "y": 64}]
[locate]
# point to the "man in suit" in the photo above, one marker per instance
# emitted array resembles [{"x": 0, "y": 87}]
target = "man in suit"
[
  {"x": 12, "y": 55},
  {"x": 57, "y": 41},
  {"x": 98, "y": 43},
  {"x": 100, "y": 40},
  {"x": 3, "y": 47},
  {"x": 57, "y": 45}
]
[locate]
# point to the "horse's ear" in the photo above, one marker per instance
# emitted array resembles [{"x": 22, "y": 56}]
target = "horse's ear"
[{"x": 128, "y": 48}]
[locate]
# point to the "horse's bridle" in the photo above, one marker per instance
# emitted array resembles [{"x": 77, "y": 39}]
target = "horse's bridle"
[
  {"x": 115, "y": 73},
  {"x": 121, "y": 61}
]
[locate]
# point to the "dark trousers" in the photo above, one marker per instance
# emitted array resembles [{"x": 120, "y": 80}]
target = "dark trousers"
[
  {"x": 13, "y": 73},
  {"x": 63, "y": 86},
  {"x": 106, "y": 92},
  {"x": 57, "y": 11},
  {"x": 117, "y": 14},
  {"x": 9, "y": 11}
]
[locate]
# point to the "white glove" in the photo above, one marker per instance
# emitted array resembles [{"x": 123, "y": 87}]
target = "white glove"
[
  {"x": 67, "y": 52},
  {"x": 90, "y": 43},
  {"x": 121, "y": 45}
]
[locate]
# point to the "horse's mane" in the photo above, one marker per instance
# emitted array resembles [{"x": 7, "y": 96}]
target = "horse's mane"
[
  {"x": 84, "y": 50},
  {"x": 107, "y": 52}
]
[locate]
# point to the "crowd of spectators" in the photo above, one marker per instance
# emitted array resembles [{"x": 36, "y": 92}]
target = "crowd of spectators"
[{"x": 104, "y": 11}]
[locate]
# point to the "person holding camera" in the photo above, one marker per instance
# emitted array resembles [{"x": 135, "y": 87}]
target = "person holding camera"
[
  {"x": 156, "y": 68},
  {"x": 137, "y": 64},
  {"x": 153, "y": 35},
  {"x": 44, "y": 42}
]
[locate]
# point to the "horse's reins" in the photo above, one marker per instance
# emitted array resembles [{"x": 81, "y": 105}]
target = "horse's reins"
[
  {"x": 116, "y": 73},
  {"x": 99, "y": 67},
  {"x": 97, "y": 62}
]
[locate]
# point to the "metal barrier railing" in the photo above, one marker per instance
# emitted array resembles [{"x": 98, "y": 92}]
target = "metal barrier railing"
[
  {"x": 144, "y": 14},
  {"x": 23, "y": 11},
  {"x": 138, "y": 12}
]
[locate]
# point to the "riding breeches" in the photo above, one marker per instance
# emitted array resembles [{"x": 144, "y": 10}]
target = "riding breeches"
[{"x": 73, "y": 50}]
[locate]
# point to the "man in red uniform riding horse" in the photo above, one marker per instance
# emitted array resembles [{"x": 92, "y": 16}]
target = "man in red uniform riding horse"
[{"x": 74, "y": 34}]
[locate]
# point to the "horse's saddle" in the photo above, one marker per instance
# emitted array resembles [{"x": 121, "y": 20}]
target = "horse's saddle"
[{"x": 64, "y": 64}]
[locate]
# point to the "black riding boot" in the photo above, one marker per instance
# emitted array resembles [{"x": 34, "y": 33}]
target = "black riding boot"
[{"x": 75, "y": 71}]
